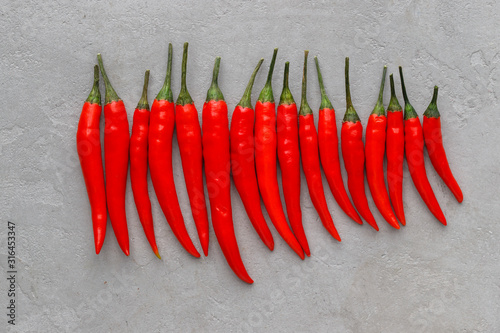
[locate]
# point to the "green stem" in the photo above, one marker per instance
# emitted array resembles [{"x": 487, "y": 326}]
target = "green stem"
[
  {"x": 165, "y": 93},
  {"x": 184, "y": 97},
  {"x": 410, "y": 112},
  {"x": 432, "y": 110},
  {"x": 143, "y": 102},
  {"x": 394, "y": 103},
  {"x": 266, "y": 95},
  {"x": 350, "y": 113},
  {"x": 111, "y": 95},
  {"x": 325, "y": 102},
  {"x": 246, "y": 100},
  {"x": 286, "y": 95},
  {"x": 95, "y": 94},
  {"x": 214, "y": 93},
  {"x": 379, "y": 106},
  {"x": 304, "y": 106}
]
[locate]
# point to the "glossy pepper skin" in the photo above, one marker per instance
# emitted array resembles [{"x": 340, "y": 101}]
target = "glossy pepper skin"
[
  {"x": 265, "y": 160},
  {"x": 287, "y": 135},
  {"x": 190, "y": 146},
  {"x": 395, "y": 145},
  {"x": 329, "y": 151},
  {"x": 434, "y": 143},
  {"x": 414, "y": 149},
  {"x": 354, "y": 155},
  {"x": 375, "y": 150},
  {"x": 243, "y": 162},
  {"x": 116, "y": 154},
  {"x": 310, "y": 158},
  {"x": 216, "y": 153},
  {"x": 139, "y": 165},
  {"x": 88, "y": 144},
  {"x": 161, "y": 130}
]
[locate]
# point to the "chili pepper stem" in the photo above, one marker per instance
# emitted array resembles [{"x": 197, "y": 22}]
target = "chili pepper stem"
[
  {"x": 350, "y": 114},
  {"x": 409, "y": 110},
  {"x": 184, "y": 96},
  {"x": 286, "y": 95},
  {"x": 143, "y": 102},
  {"x": 304, "y": 106},
  {"x": 95, "y": 94},
  {"x": 394, "y": 103},
  {"x": 266, "y": 95},
  {"x": 110, "y": 95},
  {"x": 379, "y": 106},
  {"x": 246, "y": 99},
  {"x": 432, "y": 110},
  {"x": 214, "y": 93},
  {"x": 165, "y": 93},
  {"x": 325, "y": 101}
]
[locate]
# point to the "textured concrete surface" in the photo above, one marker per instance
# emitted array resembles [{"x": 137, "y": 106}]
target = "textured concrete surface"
[{"x": 422, "y": 278}]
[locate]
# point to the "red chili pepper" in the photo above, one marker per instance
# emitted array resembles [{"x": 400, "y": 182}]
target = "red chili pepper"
[
  {"x": 289, "y": 157},
  {"x": 434, "y": 143},
  {"x": 265, "y": 160},
  {"x": 190, "y": 146},
  {"x": 354, "y": 155},
  {"x": 88, "y": 145},
  {"x": 139, "y": 165},
  {"x": 116, "y": 148},
  {"x": 395, "y": 153},
  {"x": 310, "y": 158},
  {"x": 414, "y": 149},
  {"x": 243, "y": 162},
  {"x": 216, "y": 153},
  {"x": 161, "y": 130},
  {"x": 375, "y": 150},
  {"x": 329, "y": 151}
]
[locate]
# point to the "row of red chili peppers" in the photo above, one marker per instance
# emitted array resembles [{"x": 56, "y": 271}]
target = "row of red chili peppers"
[{"x": 248, "y": 150}]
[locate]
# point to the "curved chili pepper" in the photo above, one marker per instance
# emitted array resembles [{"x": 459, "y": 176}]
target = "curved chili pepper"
[
  {"x": 216, "y": 153},
  {"x": 190, "y": 146},
  {"x": 139, "y": 165},
  {"x": 116, "y": 148},
  {"x": 88, "y": 145},
  {"x": 287, "y": 135},
  {"x": 310, "y": 158},
  {"x": 243, "y": 162},
  {"x": 395, "y": 153},
  {"x": 414, "y": 149},
  {"x": 329, "y": 151},
  {"x": 265, "y": 160},
  {"x": 354, "y": 155},
  {"x": 434, "y": 143},
  {"x": 375, "y": 150},
  {"x": 161, "y": 130}
]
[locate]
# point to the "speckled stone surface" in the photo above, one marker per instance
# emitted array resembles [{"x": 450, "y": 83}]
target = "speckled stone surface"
[{"x": 422, "y": 278}]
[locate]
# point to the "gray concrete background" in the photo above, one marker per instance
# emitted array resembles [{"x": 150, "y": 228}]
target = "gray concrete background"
[{"x": 422, "y": 278}]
